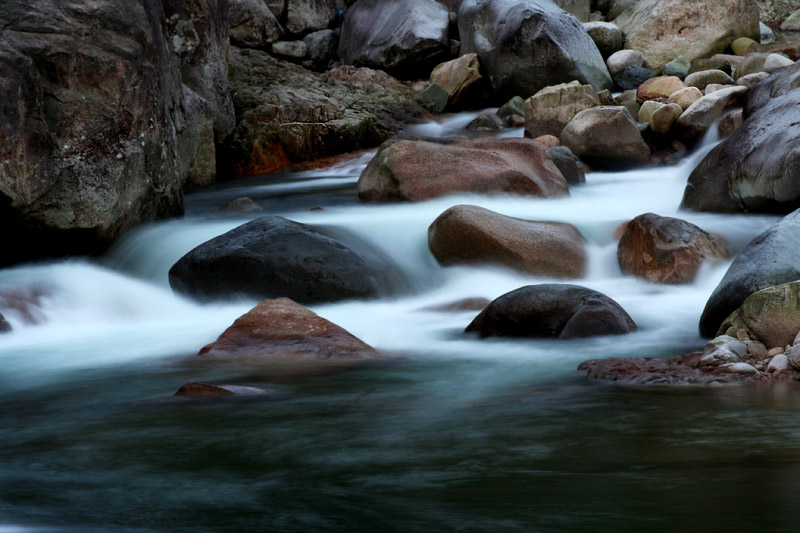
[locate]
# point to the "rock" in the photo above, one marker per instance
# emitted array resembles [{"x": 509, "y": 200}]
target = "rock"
[
  {"x": 580, "y": 9},
  {"x": 705, "y": 77},
  {"x": 606, "y": 137},
  {"x": 792, "y": 22},
  {"x": 273, "y": 257},
  {"x": 723, "y": 350},
  {"x": 607, "y": 36},
  {"x": 750, "y": 273},
  {"x": 569, "y": 165},
  {"x": 775, "y": 62},
  {"x": 771, "y": 315},
  {"x": 418, "y": 170},
  {"x": 486, "y": 121},
  {"x": 666, "y": 250},
  {"x": 713, "y": 63},
  {"x": 751, "y": 64},
  {"x": 552, "y": 310},
  {"x": 699, "y": 116},
  {"x": 647, "y": 371},
  {"x": 627, "y": 99},
  {"x": 461, "y": 78},
  {"x": 401, "y": 37},
  {"x": 619, "y": 61},
  {"x": 738, "y": 368},
  {"x": 756, "y": 349},
  {"x": 292, "y": 49},
  {"x": 526, "y": 45},
  {"x": 664, "y": 118},
  {"x": 714, "y": 87},
  {"x": 685, "y": 97},
  {"x": 778, "y": 363},
  {"x": 730, "y": 122},
  {"x": 515, "y": 121},
  {"x": 659, "y": 87},
  {"x": 753, "y": 169},
  {"x": 678, "y": 67},
  {"x": 662, "y": 29},
  {"x": 647, "y": 110},
  {"x": 632, "y": 77},
  {"x": 321, "y": 46},
  {"x": 252, "y": 24},
  {"x": 5, "y": 327},
  {"x": 304, "y": 16},
  {"x": 751, "y": 80},
  {"x": 434, "y": 98},
  {"x": 287, "y": 114},
  {"x": 775, "y": 351},
  {"x": 75, "y": 170},
  {"x": 515, "y": 106},
  {"x": 196, "y": 389},
  {"x": 467, "y": 304},
  {"x": 742, "y": 45},
  {"x": 281, "y": 330},
  {"x": 241, "y": 205},
  {"x": 548, "y": 111},
  {"x": 468, "y": 234},
  {"x": 548, "y": 140},
  {"x": 276, "y": 6},
  {"x": 778, "y": 85}
]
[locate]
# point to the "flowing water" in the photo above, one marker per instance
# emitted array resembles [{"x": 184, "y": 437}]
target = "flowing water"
[{"x": 454, "y": 433}]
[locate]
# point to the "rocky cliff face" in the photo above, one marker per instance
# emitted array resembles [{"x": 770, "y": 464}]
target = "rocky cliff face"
[{"x": 108, "y": 109}]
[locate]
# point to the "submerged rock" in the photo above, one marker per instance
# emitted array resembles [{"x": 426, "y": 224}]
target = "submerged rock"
[
  {"x": 468, "y": 234},
  {"x": 197, "y": 389},
  {"x": 273, "y": 257},
  {"x": 416, "y": 170},
  {"x": 282, "y": 330},
  {"x": 552, "y": 310}
]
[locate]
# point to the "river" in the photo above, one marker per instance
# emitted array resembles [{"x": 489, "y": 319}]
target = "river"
[{"x": 453, "y": 433}]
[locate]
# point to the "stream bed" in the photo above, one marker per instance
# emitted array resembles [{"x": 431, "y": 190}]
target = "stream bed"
[{"x": 452, "y": 433}]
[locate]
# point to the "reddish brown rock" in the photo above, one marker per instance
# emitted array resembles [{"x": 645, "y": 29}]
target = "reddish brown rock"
[
  {"x": 282, "y": 330},
  {"x": 417, "y": 170},
  {"x": 197, "y": 389},
  {"x": 665, "y": 250},
  {"x": 659, "y": 87},
  {"x": 468, "y": 234},
  {"x": 550, "y": 141}
]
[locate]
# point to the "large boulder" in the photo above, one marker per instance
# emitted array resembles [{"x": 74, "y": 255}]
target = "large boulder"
[
  {"x": 664, "y": 29},
  {"x": 552, "y": 310},
  {"x": 772, "y": 258},
  {"x": 287, "y": 114},
  {"x": 468, "y": 234},
  {"x": 665, "y": 250},
  {"x": 281, "y": 330},
  {"x": 606, "y": 137},
  {"x": 103, "y": 116},
  {"x": 756, "y": 169},
  {"x": 526, "y": 45},
  {"x": 272, "y": 257},
  {"x": 252, "y": 24},
  {"x": 607, "y": 36},
  {"x": 416, "y": 170},
  {"x": 771, "y": 315},
  {"x": 550, "y": 109},
  {"x": 304, "y": 16},
  {"x": 406, "y": 37}
]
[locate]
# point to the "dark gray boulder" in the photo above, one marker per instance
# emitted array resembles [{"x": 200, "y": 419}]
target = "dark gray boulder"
[
  {"x": 552, "y": 310},
  {"x": 770, "y": 259},
  {"x": 757, "y": 168},
  {"x": 5, "y": 327},
  {"x": 568, "y": 163},
  {"x": 405, "y": 38},
  {"x": 526, "y": 45},
  {"x": 109, "y": 108},
  {"x": 272, "y": 257}
]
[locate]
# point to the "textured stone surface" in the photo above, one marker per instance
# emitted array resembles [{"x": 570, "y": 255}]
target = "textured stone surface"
[
  {"x": 468, "y": 234},
  {"x": 418, "y": 170},
  {"x": 772, "y": 258},
  {"x": 771, "y": 315},
  {"x": 699, "y": 116},
  {"x": 526, "y": 45},
  {"x": 552, "y": 310},
  {"x": 606, "y": 137},
  {"x": 402, "y": 37},
  {"x": 659, "y": 87},
  {"x": 607, "y": 36},
  {"x": 666, "y": 250},
  {"x": 461, "y": 78},
  {"x": 252, "y": 24},
  {"x": 549, "y": 110},
  {"x": 282, "y": 330},
  {"x": 663, "y": 29},
  {"x": 704, "y": 78},
  {"x": 273, "y": 257},
  {"x": 569, "y": 165}
]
